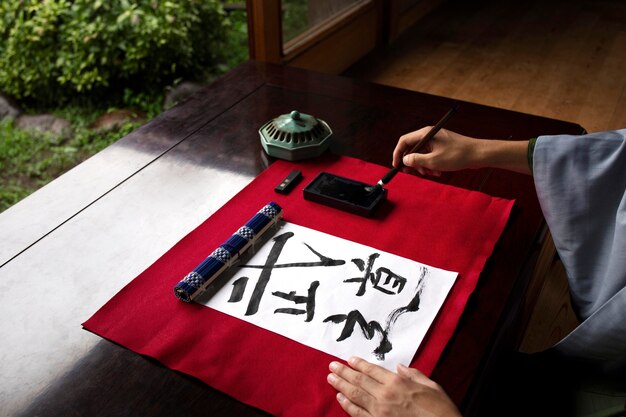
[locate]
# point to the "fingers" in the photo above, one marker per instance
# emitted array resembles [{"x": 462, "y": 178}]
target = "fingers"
[
  {"x": 367, "y": 390},
  {"x": 351, "y": 408},
  {"x": 418, "y": 162},
  {"x": 412, "y": 374},
  {"x": 417, "y": 376},
  {"x": 353, "y": 385},
  {"x": 421, "y": 161},
  {"x": 375, "y": 372},
  {"x": 406, "y": 143},
  {"x": 413, "y": 160},
  {"x": 354, "y": 377}
]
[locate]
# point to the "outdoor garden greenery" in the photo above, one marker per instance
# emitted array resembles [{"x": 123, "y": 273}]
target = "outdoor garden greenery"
[
  {"x": 78, "y": 59},
  {"x": 54, "y": 50},
  {"x": 30, "y": 159}
]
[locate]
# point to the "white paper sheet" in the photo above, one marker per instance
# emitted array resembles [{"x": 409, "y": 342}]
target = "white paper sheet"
[{"x": 334, "y": 295}]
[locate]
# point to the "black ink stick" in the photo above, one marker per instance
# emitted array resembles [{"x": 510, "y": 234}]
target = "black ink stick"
[{"x": 289, "y": 182}]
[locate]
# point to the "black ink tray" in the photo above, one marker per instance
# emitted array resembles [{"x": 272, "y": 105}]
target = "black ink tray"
[{"x": 344, "y": 194}]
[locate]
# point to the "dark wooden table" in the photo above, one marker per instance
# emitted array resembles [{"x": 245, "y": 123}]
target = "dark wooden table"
[{"x": 68, "y": 248}]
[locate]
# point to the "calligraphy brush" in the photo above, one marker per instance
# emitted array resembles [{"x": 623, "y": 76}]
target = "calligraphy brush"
[{"x": 431, "y": 133}]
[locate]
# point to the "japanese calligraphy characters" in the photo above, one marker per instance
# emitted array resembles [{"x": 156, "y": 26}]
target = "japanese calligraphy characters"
[{"x": 317, "y": 289}]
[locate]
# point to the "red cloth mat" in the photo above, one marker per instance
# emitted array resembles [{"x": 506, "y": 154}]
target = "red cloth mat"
[{"x": 439, "y": 225}]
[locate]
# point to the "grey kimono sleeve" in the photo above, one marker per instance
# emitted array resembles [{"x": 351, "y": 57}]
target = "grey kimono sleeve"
[{"x": 581, "y": 182}]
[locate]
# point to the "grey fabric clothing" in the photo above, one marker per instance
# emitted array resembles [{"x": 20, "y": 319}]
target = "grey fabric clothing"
[{"x": 581, "y": 183}]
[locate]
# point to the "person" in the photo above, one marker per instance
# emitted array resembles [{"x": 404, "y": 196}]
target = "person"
[
  {"x": 580, "y": 182},
  {"x": 368, "y": 390}
]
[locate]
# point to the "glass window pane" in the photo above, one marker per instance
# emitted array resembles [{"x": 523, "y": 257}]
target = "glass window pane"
[{"x": 299, "y": 16}]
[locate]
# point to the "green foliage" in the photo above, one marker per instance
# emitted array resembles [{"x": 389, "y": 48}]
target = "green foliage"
[
  {"x": 52, "y": 50},
  {"x": 78, "y": 59},
  {"x": 235, "y": 49},
  {"x": 295, "y": 18},
  {"x": 30, "y": 159},
  {"x": 149, "y": 102}
]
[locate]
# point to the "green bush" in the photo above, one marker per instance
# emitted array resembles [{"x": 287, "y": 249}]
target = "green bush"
[{"x": 53, "y": 50}]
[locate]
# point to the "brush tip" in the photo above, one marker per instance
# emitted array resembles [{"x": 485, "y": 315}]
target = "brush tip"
[{"x": 372, "y": 188}]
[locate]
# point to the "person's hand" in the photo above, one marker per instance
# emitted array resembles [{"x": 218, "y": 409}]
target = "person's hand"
[
  {"x": 450, "y": 151},
  {"x": 446, "y": 151},
  {"x": 368, "y": 390}
]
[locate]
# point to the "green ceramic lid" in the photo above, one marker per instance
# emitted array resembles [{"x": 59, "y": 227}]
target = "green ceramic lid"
[{"x": 295, "y": 136}]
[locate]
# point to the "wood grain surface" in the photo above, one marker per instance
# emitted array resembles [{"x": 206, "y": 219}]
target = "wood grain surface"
[{"x": 182, "y": 167}]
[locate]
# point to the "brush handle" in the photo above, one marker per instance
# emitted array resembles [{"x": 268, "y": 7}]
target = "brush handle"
[
  {"x": 389, "y": 175},
  {"x": 433, "y": 131}
]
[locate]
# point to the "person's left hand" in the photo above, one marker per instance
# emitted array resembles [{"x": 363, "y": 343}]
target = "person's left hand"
[{"x": 365, "y": 390}]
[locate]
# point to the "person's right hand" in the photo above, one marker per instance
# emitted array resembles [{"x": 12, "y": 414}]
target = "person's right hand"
[{"x": 447, "y": 151}]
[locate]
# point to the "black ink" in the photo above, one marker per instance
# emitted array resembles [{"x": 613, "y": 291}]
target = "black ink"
[
  {"x": 359, "y": 263},
  {"x": 397, "y": 283},
  {"x": 239, "y": 286},
  {"x": 293, "y": 311},
  {"x": 412, "y": 306},
  {"x": 352, "y": 318},
  {"x": 264, "y": 278},
  {"x": 367, "y": 275},
  {"x": 368, "y": 329},
  {"x": 392, "y": 279},
  {"x": 270, "y": 264},
  {"x": 298, "y": 299},
  {"x": 344, "y": 189},
  {"x": 324, "y": 261},
  {"x": 383, "y": 280},
  {"x": 383, "y": 347}
]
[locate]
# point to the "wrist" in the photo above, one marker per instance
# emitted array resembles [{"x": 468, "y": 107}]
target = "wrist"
[
  {"x": 480, "y": 153},
  {"x": 511, "y": 155}
]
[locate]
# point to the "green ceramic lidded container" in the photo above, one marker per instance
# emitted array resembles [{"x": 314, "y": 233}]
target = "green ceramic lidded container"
[{"x": 295, "y": 136}]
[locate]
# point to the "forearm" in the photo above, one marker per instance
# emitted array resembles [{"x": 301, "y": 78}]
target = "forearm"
[
  {"x": 450, "y": 151},
  {"x": 504, "y": 154}
]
